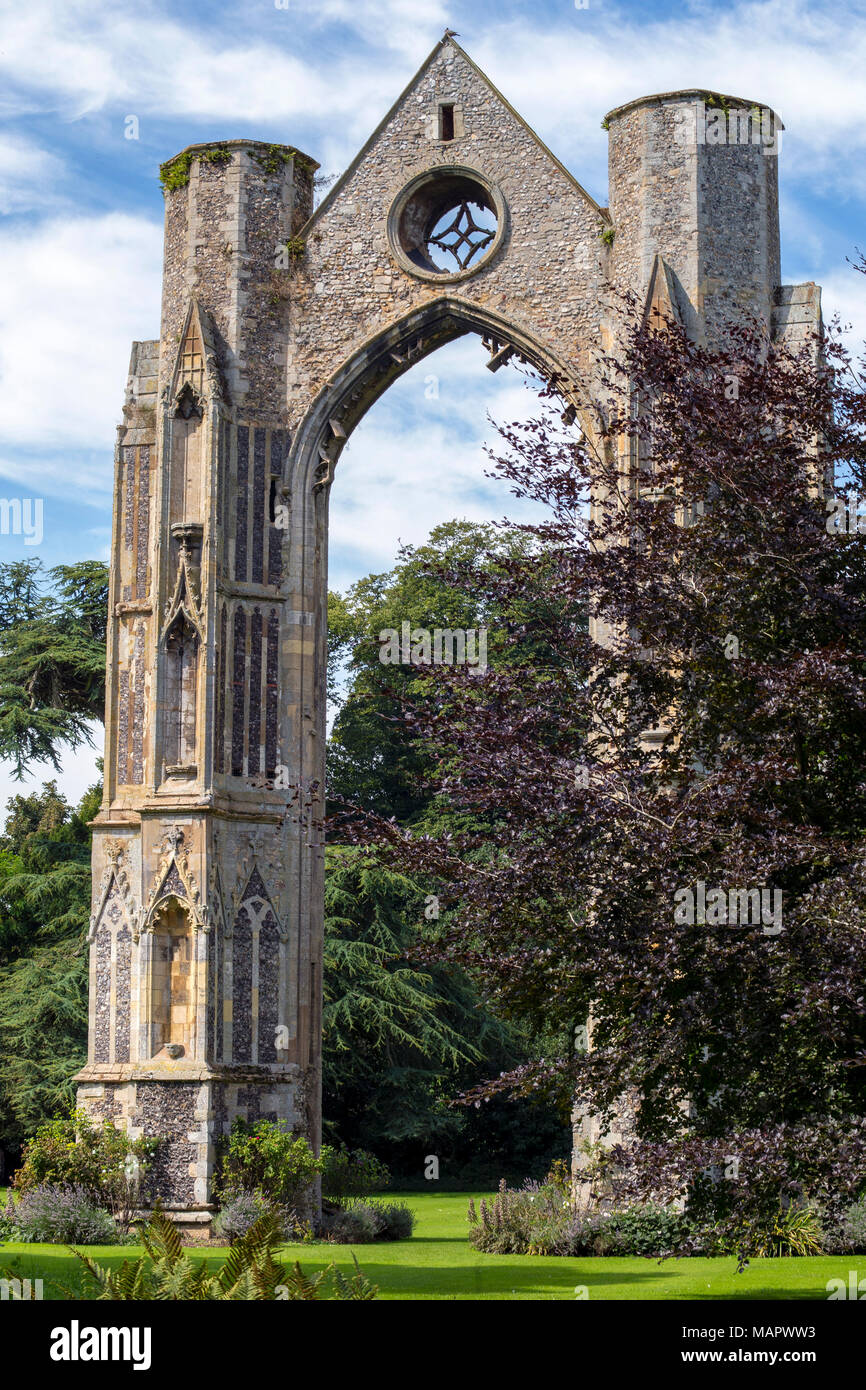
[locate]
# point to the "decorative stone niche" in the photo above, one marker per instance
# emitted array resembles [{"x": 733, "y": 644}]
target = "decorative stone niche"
[
  {"x": 172, "y": 989},
  {"x": 182, "y": 649}
]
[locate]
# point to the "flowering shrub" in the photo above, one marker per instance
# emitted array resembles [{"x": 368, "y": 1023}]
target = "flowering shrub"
[
  {"x": 539, "y": 1219},
  {"x": 355, "y": 1225},
  {"x": 62, "y": 1216},
  {"x": 399, "y": 1220},
  {"x": 648, "y": 1230},
  {"x": 239, "y": 1215},
  {"x": 519, "y": 1221},
  {"x": 853, "y": 1228},
  {"x": 7, "y": 1218},
  {"x": 359, "y": 1223},
  {"x": 845, "y": 1232},
  {"x": 98, "y": 1159},
  {"x": 266, "y": 1159}
]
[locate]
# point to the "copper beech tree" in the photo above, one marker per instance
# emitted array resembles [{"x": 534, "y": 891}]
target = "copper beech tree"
[{"x": 651, "y": 806}]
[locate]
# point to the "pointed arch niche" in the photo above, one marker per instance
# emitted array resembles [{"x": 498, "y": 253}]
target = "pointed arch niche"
[
  {"x": 172, "y": 996},
  {"x": 181, "y": 696},
  {"x": 194, "y": 399},
  {"x": 187, "y": 434}
]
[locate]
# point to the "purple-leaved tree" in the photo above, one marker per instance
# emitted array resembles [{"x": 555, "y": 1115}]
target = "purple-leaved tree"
[{"x": 651, "y": 806}]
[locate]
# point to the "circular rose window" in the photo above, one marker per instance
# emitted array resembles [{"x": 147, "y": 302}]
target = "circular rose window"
[{"x": 446, "y": 223}]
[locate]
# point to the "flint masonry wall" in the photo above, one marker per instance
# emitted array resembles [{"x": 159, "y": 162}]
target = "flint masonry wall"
[
  {"x": 697, "y": 183},
  {"x": 203, "y": 1006},
  {"x": 240, "y": 201},
  {"x": 547, "y": 274}
]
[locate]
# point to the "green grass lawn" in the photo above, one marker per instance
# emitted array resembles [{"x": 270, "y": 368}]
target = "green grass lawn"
[{"x": 438, "y": 1263}]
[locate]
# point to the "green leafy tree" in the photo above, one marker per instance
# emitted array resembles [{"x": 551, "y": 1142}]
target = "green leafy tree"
[
  {"x": 384, "y": 1021},
  {"x": 726, "y": 702},
  {"x": 44, "y": 910},
  {"x": 402, "y": 1038},
  {"x": 52, "y": 658},
  {"x": 372, "y": 759}
]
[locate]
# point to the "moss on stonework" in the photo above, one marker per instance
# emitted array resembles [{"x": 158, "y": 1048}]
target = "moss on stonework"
[
  {"x": 273, "y": 157},
  {"x": 607, "y": 235},
  {"x": 175, "y": 172},
  {"x": 722, "y": 103}
]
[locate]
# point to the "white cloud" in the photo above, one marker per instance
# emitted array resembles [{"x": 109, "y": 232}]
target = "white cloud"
[
  {"x": 399, "y": 24},
  {"x": 28, "y": 175},
  {"x": 83, "y": 57},
  {"x": 76, "y": 292},
  {"x": 79, "y": 288},
  {"x": 805, "y": 61},
  {"x": 843, "y": 292},
  {"x": 562, "y": 67}
]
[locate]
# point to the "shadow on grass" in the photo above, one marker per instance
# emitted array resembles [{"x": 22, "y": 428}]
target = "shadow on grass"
[
  {"x": 503, "y": 1274},
  {"x": 417, "y": 1269},
  {"x": 64, "y": 1276}
]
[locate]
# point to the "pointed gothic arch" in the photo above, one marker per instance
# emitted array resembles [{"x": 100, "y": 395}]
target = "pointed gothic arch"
[
  {"x": 180, "y": 742},
  {"x": 368, "y": 372},
  {"x": 170, "y": 1020},
  {"x": 359, "y": 381}
]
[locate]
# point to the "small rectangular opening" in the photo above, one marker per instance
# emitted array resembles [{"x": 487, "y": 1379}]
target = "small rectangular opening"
[{"x": 446, "y": 121}]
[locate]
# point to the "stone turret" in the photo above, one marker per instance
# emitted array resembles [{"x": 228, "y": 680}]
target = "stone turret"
[
  {"x": 204, "y": 983},
  {"x": 229, "y": 208},
  {"x": 694, "y": 180}
]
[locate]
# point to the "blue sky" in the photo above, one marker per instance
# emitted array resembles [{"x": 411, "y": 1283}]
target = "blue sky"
[{"x": 81, "y": 207}]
